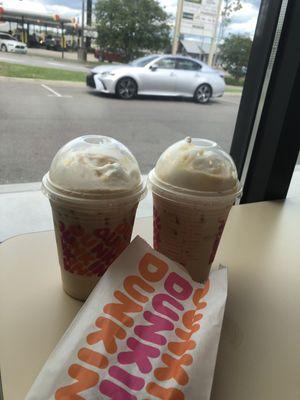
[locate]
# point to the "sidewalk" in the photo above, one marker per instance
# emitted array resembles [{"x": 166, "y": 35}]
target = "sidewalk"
[
  {"x": 49, "y": 59},
  {"x": 71, "y": 56}
]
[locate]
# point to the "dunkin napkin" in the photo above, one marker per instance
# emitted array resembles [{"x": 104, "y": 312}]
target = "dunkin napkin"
[{"x": 147, "y": 331}]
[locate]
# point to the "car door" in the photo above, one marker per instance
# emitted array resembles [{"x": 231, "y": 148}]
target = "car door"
[
  {"x": 187, "y": 74},
  {"x": 159, "y": 77}
]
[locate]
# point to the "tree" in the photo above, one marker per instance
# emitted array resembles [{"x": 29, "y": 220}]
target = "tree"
[
  {"x": 234, "y": 53},
  {"x": 230, "y": 7},
  {"x": 132, "y": 26}
]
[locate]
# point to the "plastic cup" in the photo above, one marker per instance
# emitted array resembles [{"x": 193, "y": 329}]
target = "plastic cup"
[
  {"x": 194, "y": 186},
  {"x": 94, "y": 186}
]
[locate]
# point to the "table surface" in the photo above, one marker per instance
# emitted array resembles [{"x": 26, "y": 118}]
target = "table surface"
[{"x": 259, "y": 352}]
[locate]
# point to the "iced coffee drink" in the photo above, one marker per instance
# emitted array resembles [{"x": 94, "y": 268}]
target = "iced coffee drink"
[
  {"x": 94, "y": 186},
  {"x": 194, "y": 186}
]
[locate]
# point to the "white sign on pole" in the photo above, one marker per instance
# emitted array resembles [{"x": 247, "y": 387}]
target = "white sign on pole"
[
  {"x": 199, "y": 17},
  {"x": 210, "y": 6}
]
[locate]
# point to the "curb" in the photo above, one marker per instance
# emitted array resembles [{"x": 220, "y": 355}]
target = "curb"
[
  {"x": 20, "y": 187},
  {"x": 39, "y": 81}
]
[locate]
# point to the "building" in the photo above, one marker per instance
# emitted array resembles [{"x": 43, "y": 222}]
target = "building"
[{"x": 195, "y": 48}]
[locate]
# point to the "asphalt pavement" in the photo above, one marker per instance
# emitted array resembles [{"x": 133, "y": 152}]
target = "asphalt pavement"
[{"x": 37, "y": 118}]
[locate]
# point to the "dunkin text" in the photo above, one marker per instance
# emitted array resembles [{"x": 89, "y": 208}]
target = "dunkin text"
[{"x": 130, "y": 335}]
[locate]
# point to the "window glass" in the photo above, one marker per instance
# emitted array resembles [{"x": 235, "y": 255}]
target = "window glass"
[
  {"x": 187, "y": 65},
  {"x": 53, "y": 113},
  {"x": 141, "y": 62},
  {"x": 166, "y": 63},
  {"x": 69, "y": 96}
]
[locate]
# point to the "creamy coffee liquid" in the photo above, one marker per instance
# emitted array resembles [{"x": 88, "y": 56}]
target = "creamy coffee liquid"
[
  {"x": 194, "y": 185},
  {"x": 94, "y": 185}
]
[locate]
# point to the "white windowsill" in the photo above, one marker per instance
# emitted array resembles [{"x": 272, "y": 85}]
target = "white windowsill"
[{"x": 24, "y": 209}]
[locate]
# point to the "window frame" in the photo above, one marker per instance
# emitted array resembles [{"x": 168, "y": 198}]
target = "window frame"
[{"x": 265, "y": 145}]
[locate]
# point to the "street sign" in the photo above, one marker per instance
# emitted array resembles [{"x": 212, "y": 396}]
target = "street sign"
[{"x": 199, "y": 17}]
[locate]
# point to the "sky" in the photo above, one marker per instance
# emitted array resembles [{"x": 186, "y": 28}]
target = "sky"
[{"x": 243, "y": 21}]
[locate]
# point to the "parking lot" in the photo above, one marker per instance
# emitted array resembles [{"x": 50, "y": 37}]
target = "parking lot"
[{"x": 39, "y": 117}]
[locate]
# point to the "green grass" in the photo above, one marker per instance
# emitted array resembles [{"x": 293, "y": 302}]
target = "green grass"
[
  {"x": 230, "y": 80},
  {"x": 26, "y": 71},
  {"x": 233, "y": 89}
]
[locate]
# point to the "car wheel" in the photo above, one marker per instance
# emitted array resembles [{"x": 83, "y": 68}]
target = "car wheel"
[
  {"x": 203, "y": 93},
  {"x": 3, "y": 47},
  {"x": 126, "y": 88}
]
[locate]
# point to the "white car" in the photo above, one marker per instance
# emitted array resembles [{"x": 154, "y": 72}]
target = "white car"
[
  {"x": 9, "y": 43},
  {"x": 159, "y": 75}
]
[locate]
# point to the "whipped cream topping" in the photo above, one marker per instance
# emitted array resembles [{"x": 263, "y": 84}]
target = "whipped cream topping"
[
  {"x": 95, "y": 164},
  {"x": 199, "y": 165}
]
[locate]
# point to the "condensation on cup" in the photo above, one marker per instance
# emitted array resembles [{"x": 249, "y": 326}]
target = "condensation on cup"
[
  {"x": 194, "y": 185},
  {"x": 94, "y": 186}
]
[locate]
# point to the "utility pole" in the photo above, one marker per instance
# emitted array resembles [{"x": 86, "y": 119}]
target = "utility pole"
[
  {"x": 23, "y": 32},
  {"x": 177, "y": 27},
  {"x": 62, "y": 41},
  {"x": 82, "y": 25},
  {"x": 82, "y": 50},
  {"x": 213, "y": 44},
  {"x": 89, "y": 11}
]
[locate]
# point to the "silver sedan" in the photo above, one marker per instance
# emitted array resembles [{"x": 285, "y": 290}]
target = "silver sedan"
[{"x": 159, "y": 76}]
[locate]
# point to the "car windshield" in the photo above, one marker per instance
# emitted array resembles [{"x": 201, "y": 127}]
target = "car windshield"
[
  {"x": 11, "y": 38},
  {"x": 141, "y": 62}
]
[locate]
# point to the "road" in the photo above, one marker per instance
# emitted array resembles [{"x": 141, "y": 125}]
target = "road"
[{"x": 37, "y": 119}]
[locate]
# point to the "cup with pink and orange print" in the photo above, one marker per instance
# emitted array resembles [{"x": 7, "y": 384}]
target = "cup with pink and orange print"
[{"x": 94, "y": 186}]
